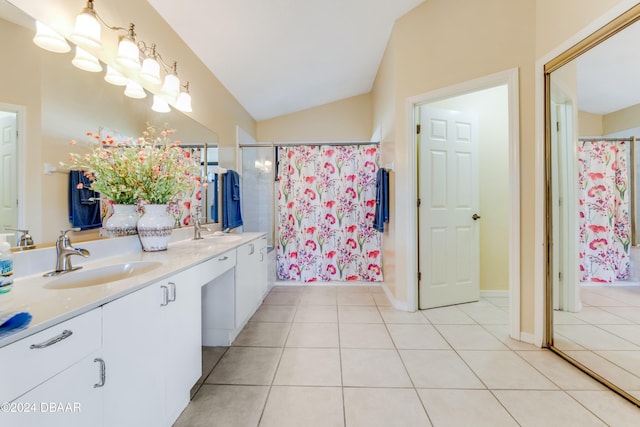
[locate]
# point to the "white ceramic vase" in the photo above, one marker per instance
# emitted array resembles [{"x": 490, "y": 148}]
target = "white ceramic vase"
[
  {"x": 155, "y": 227},
  {"x": 123, "y": 221}
]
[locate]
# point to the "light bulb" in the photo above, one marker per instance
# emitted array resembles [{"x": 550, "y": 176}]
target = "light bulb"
[
  {"x": 85, "y": 61},
  {"x": 150, "y": 72},
  {"x": 134, "y": 90},
  {"x": 128, "y": 55},
  {"x": 49, "y": 40},
  {"x": 171, "y": 88},
  {"x": 160, "y": 105},
  {"x": 114, "y": 77},
  {"x": 87, "y": 30},
  {"x": 184, "y": 102}
]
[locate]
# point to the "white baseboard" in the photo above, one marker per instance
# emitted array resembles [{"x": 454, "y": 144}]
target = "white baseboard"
[
  {"x": 398, "y": 305},
  {"x": 494, "y": 293},
  {"x": 528, "y": 338}
]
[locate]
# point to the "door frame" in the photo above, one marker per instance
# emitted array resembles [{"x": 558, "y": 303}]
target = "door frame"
[
  {"x": 21, "y": 119},
  {"x": 510, "y": 79}
]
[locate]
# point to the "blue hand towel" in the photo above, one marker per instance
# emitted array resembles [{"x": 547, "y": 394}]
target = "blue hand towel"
[
  {"x": 231, "y": 211},
  {"x": 382, "y": 200},
  {"x": 84, "y": 203},
  {"x": 13, "y": 321}
]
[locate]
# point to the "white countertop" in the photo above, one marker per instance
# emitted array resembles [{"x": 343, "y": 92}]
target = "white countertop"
[{"x": 52, "y": 306}]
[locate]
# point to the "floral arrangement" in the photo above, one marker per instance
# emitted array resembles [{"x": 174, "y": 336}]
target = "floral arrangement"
[{"x": 152, "y": 169}]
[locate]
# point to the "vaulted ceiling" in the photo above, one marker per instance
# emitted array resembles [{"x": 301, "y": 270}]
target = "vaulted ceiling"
[{"x": 281, "y": 56}]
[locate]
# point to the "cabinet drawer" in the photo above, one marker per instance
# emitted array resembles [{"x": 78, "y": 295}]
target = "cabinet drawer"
[
  {"x": 34, "y": 359},
  {"x": 216, "y": 266}
]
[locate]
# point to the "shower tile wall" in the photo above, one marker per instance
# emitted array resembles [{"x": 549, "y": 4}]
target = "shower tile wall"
[{"x": 257, "y": 190}]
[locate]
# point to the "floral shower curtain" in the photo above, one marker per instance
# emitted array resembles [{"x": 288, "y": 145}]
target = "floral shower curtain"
[
  {"x": 604, "y": 210},
  {"x": 325, "y": 207}
]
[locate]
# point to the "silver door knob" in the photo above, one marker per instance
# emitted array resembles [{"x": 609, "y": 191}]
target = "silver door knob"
[{"x": 475, "y": 217}]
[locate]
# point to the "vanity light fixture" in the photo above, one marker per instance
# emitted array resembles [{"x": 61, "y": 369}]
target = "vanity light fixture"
[
  {"x": 87, "y": 29},
  {"x": 115, "y": 77},
  {"x": 160, "y": 105},
  {"x": 128, "y": 53},
  {"x": 49, "y": 40},
  {"x": 171, "y": 86},
  {"x": 184, "y": 100},
  {"x": 129, "y": 72},
  {"x": 134, "y": 90},
  {"x": 85, "y": 61}
]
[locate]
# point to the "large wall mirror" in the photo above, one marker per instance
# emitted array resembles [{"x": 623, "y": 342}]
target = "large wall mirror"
[
  {"x": 50, "y": 102},
  {"x": 593, "y": 128}
]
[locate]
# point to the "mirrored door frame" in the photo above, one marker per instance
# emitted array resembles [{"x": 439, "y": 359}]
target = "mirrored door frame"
[{"x": 623, "y": 21}]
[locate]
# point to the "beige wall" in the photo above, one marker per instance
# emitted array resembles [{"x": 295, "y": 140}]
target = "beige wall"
[
  {"x": 345, "y": 120},
  {"x": 589, "y": 124},
  {"x": 491, "y": 108},
  {"x": 621, "y": 120}
]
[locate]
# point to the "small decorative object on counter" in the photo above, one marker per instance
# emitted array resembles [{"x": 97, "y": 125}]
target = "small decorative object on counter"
[
  {"x": 123, "y": 222},
  {"x": 155, "y": 227},
  {"x": 6, "y": 265}
]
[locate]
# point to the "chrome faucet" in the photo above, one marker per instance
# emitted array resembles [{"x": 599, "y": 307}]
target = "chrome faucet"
[
  {"x": 197, "y": 229},
  {"x": 25, "y": 241},
  {"x": 64, "y": 250}
]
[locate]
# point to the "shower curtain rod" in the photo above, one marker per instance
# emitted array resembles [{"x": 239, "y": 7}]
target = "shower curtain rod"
[
  {"x": 628, "y": 138},
  {"x": 295, "y": 144}
]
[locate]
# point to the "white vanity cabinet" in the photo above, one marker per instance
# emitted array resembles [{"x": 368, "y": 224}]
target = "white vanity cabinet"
[
  {"x": 52, "y": 378},
  {"x": 251, "y": 279},
  {"x": 152, "y": 351}
]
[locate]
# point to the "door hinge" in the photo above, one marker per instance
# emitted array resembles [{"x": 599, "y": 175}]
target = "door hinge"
[
  {"x": 418, "y": 129},
  {"x": 557, "y": 126},
  {"x": 419, "y": 202},
  {"x": 419, "y": 276},
  {"x": 560, "y": 275}
]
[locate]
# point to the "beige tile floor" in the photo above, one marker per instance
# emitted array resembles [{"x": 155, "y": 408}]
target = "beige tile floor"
[
  {"x": 605, "y": 334},
  {"x": 342, "y": 356}
]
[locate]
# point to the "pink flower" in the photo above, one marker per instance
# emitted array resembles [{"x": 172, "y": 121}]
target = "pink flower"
[
  {"x": 375, "y": 268},
  {"x": 330, "y": 218},
  {"x": 595, "y": 190},
  {"x": 370, "y": 151},
  {"x": 370, "y": 203},
  {"x": 373, "y": 254},
  {"x": 331, "y": 269},
  {"x": 351, "y": 228},
  {"x": 597, "y": 243},
  {"x": 354, "y": 277},
  {"x": 310, "y": 179},
  {"x": 309, "y": 192},
  {"x": 352, "y": 192},
  {"x": 595, "y": 175},
  {"x": 352, "y": 243},
  {"x": 351, "y": 178},
  {"x": 331, "y": 254},
  {"x": 293, "y": 255},
  {"x": 311, "y": 244},
  {"x": 330, "y": 204},
  {"x": 597, "y": 228},
  {"x": 310, "y": 230}
]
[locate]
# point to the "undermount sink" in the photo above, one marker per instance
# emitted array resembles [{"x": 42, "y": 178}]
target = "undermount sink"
[
  {"x": 101, "y": 275},
  {"x": 222, "y": 238}
]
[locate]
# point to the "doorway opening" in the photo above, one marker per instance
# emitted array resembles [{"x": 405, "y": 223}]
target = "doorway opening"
[{"x": 492, "y": 210}]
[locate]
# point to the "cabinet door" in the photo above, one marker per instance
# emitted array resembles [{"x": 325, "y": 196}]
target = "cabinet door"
[
  {"x": 182, "y": 355},
  {"x": 247, "y": 298},
  {"x": 68, "y": 399},
  {"x": 133, "y": 353},
  {"x": 263, "y": 271}
]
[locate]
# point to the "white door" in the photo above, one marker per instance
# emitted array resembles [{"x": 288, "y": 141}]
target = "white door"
[
  {"x": 9, "y": 165},
  {"x": 449, "y": 229}
]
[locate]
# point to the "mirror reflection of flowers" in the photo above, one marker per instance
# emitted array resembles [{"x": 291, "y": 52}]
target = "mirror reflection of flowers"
[{"x": 152, "y": 169}]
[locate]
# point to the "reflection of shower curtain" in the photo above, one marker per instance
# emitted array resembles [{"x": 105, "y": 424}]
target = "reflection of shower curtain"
[
  {"x": 604, "y": 210},
  {"x": 326, "y": 204}
]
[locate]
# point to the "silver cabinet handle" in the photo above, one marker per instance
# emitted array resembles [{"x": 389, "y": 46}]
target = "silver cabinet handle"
[
  {"x": 63, "y": 336},
  {"x": 224, "y": 258},
  {"x": 165, "y": 296},
  {"x": 253, "y": 248},
  {"x": 261, "y": 256},
  {"x": 172, "y": 296},
  {"x": 103, "y": 372}
]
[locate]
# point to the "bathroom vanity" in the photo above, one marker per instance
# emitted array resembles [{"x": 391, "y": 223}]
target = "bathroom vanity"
[{"x": 127, "y": 353}]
